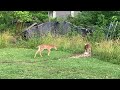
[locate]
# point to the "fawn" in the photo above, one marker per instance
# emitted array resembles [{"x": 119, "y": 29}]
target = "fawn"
[
  {"x": 87, "y": 49},
  {"x": 43, "y": 47},
  {"x": 87, "y": 52}
]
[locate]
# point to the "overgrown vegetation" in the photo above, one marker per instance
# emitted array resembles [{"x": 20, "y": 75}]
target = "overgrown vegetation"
[
  {"x": 15, "y": 21},
  {"x": 105, "y": 40},
  {"x": 103, "y": 50},
  {"x": 16, "y": 54}
]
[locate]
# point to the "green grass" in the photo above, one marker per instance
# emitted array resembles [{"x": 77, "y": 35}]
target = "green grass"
[{"x": 18, "y": 63}]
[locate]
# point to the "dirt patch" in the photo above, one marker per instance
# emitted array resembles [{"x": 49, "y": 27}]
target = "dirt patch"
[{"x": 80, "y": 55}]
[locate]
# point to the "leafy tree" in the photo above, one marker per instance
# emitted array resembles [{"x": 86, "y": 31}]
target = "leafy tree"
[
  {"x": 102, "y": 19},
  {"x": 18, "y": 19}
]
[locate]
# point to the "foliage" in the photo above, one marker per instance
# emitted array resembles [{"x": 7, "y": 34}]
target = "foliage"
[
  {"x": 102, "y": 19},
  {"x": 104, "y": 50},
  {"x": 23, "y": 16},
  {"x": 39, "y": 16},
  {"x": 108, "y": 51},
  {"x": 10, "y": 19},
  {"x": 72, "y": 42}
]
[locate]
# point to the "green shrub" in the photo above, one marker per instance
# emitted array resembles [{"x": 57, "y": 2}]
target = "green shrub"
[{"x": 107, "y": 51}]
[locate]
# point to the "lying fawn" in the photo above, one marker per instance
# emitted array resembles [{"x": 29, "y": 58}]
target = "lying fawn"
[
  {"x": 87, "y": 49},
  {"x": 43, "y": 47},
  {"x": 87, "y": 52}
]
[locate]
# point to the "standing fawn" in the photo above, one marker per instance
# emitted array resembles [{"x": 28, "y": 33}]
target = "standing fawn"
[{"x": 43, "y": 47}]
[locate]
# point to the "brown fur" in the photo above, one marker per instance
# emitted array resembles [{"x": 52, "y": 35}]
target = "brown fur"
[
  {"x": 43, "y": 47},
  {"x": 87, "y": 52},
  {"x": 87, "y": 48}
]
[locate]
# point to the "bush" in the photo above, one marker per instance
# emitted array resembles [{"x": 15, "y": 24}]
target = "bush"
[
  {"x": 107, "y": 51},
  {"x": 6, "y": 39}
]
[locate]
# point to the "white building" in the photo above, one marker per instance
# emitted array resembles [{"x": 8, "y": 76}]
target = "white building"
[{"x": 54, "y": 14}]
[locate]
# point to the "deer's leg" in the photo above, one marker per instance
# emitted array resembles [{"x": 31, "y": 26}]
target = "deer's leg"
[
  {"x": 41, "y": 52},
  {"x": 48, "y": 52},
  {"x": 36, "y": 53}
]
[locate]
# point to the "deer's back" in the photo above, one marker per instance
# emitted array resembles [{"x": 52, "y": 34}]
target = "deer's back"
[{"x": 45, "y": 46}]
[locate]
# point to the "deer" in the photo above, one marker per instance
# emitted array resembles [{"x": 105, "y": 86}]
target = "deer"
[
  {"x": 42, "y": 47},
  {"x": 87, "y": 52}
]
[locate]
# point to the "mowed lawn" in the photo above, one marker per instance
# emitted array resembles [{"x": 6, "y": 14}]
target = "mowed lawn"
[{"x": 18, "y": 63}]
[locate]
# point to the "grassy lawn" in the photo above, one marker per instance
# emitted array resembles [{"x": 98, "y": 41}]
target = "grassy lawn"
[{"x": 18, "y": 63}]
